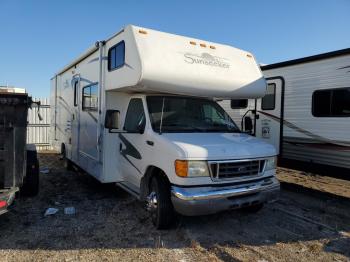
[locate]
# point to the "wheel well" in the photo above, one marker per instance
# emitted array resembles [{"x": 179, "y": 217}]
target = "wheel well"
[{"x": 151, "y": 172}]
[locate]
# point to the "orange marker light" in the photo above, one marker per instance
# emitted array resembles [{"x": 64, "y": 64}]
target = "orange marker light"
[
  {"x": 143, "y": 32},
  {"x": 203, "y": 45},
  {"x": 181, "y": 168},
  {"x": 212, "y": 47},
  {"x": 193, "y": 43},
  {"x": 249, "y": 55}
]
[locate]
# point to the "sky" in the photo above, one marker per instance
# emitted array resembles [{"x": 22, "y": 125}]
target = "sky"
[{"x": 38, "y": 38}]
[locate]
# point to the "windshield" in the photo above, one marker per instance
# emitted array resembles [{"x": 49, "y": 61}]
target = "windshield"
[{"x": 185, "y": 114}]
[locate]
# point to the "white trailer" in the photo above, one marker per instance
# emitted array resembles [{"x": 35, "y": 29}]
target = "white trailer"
[
  {"x": 139, "y": 110},
  {"x": 305, "y": 113}
]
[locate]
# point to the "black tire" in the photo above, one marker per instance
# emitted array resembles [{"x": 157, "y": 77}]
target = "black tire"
[
  {"x": 68, "y": 165},
  {"x": 253, "y": 209},
  {"x": 30, "y": 185},
  {"x": 162, "y": 211}
]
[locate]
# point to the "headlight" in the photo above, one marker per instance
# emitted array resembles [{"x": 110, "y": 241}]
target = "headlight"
[
  {"x": 271, "y": 163},
  {"x": 184, "y": 168}
]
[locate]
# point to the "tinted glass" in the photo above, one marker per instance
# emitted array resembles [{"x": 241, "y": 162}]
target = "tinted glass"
[
  {"x": 184, "y": 114},
  {"x": 321, "y": 103},
  {"x": 331, "y": 103},
  {"x": 268, "y": 101},
  {"x": 239, "y": 103},
  {"x": 341, "y": 102},
  {"x": 116, "y": 56},
  {"x": 135, "y": 116}
]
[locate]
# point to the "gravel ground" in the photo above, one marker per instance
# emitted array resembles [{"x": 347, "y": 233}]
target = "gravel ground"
[{"x": 110, "y": 225}]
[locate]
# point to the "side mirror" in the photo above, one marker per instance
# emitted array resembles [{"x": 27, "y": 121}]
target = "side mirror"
[
  {"x": 248, "y": 124},
  {"x": 112, "y": 119}
]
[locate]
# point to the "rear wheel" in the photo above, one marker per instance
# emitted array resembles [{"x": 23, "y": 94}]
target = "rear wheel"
[
  {"x": 66, "y": 162},
  {"x": 159, "y": 203},
  {"x": 30, "y": 185}
]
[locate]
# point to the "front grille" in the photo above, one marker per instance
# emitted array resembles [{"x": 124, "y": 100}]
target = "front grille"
[{"x": 237, "y": 169}]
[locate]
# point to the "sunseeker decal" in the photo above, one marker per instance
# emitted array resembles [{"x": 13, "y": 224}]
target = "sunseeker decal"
[
  {"x": 129, "y": 150},
  {"x": 206, "y": 59}
]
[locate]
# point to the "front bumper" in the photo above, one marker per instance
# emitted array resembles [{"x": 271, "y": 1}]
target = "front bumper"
[
  {"x": 192, "y": 201},
  {"x": 9, "y": 197}
]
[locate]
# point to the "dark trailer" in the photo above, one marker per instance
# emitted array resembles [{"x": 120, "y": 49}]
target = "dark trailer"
[{"x": 19, "y": 167}]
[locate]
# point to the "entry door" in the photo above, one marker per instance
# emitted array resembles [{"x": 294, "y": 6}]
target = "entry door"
[
  {"x": 88, "y": 122},
  {"x": 268, "y": 122}
]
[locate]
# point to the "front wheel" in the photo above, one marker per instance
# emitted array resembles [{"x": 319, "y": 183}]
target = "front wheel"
[{"x": 159, "y": 203}]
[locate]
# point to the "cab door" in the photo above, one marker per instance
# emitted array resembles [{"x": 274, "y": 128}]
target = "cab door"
[
  {"x": 269, "y": 113},
  {"x": 133, "y": 145}
]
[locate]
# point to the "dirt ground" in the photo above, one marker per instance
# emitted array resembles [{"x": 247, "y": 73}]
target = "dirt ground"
[{"x": 110, "y": 225}]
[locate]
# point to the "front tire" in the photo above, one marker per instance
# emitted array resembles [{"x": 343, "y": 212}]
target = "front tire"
[{"x": 159, "y": 203}]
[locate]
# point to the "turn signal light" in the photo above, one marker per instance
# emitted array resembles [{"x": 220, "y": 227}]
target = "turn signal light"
[
  {"x": 143, "y": 32},
  {"x": 181, "y": 168},
  {"x": 203, "y": 45},
  {"x": 193, "y": 43}
]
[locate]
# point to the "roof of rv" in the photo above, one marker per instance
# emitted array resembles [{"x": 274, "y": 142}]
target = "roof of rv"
[
  {"x": 95, "y": 47},
  {"x": 307, "y": 59}
]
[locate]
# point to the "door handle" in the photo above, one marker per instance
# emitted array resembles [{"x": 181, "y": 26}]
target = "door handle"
[
  {"x": 120, "y": 147},
  {"x": 151, "y": 143}
]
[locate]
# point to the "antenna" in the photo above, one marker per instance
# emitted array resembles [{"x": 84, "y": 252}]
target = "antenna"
[{"x": 161, "y": 118}]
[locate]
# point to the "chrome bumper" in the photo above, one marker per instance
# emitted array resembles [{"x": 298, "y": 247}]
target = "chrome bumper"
[{"x": 207, "y": 200}]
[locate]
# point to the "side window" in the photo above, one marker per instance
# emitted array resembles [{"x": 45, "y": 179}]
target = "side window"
[
  {"x": 135, "y": 117},
  {"x": 76, "y": 87},
  {"x": 90, "y": 98},
  {"x": 331, "y": 103},
  {"x": 239, "y": 103},
  {"x": 268, "y": 101},
  {"x": 116, "y": 56}
]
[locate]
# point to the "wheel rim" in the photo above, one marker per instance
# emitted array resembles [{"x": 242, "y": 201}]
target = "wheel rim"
[{"x": 152, "y": 204}]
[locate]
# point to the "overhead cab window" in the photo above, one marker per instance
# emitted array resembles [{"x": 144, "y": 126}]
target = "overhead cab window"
[
  {"x": 90, "y": 98},
  {"x": 331, "y": 102},
  {"x": 116, "y": 56},
  {"x": 268, "y": 101}
]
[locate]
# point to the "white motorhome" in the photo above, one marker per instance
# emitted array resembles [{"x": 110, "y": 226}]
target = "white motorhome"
[
  {"x": 305, "y": 113},
  {"x": 139, "y": 110}
]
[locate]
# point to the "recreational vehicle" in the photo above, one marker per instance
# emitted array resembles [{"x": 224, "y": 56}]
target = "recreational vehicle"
[
  {"x": 139, "y": 109},
  {"x": 305, "y": 113}
]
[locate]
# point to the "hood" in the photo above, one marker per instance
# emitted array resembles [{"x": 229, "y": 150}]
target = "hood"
[{"x": 215, "y": 146}]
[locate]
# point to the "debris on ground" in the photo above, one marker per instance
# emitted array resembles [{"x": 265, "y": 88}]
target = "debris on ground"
[
  {"x": 111, "y": 225},
  {"x": 69, "y": 210},
  {"x": 50, "y": 211},
  {"x": 44, "y": 170}
]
